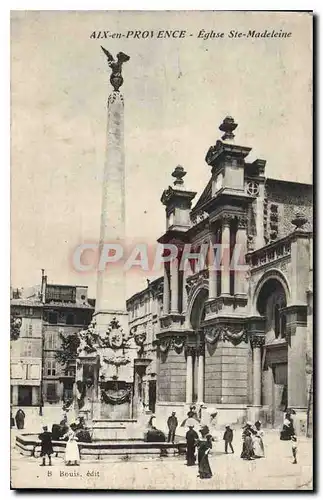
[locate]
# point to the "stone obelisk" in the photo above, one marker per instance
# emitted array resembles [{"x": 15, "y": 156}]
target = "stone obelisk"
[{"x": 110, "y": 295}]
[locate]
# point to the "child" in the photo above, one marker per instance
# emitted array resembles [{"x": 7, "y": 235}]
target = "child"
[
  {"x": 228, "y": 437},
  {"x": 294, "y": 448},
  {"x": 46, "y": 446}
]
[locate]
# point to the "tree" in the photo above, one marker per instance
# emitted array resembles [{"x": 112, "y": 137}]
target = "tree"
[
  {"x": 68, "y": 350},
  {"x": 15, "y": 325}
]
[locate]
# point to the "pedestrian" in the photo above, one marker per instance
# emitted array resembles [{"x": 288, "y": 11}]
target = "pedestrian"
[
  {"x": 20, "y": 419},
  {"x": 288, "y": 428},
  {"x": 72, "y": 453},
  {"x": 294, "y": 448},
  {"x": 247, "y": 446},
  {"x": 172, "y": 424},
  {"x": 228, "y": 438},
  {"x": 46, "y": 446},
  {"x": 191, "y": 441},
  {"x": 258, "y": 443},
  {"x": 204, "y": 448}
]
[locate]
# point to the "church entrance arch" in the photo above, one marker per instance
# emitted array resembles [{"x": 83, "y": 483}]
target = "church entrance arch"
[
  {"x": 271, "y": 302},
  {"x": 198, "y": 309},
  {"x": 197, "y": 316}
]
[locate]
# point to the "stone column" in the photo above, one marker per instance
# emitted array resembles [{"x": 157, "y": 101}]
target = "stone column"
[
  {"x": 239, "y": 260},
  {"x": 60, "y": 390},
  {"x": 213, "y": 263},
  {"x": 174, "y": 285},
  {"x": 166, "y": 290},
  {"x": 189, "y": 374},
  {"x": 184, "y": 293},
  {"x": 200, "y": 374},
  {"x": 257, "y": 342},
  {"x": 146, "y": 400},
  {"x": 113, "y": 209},
  {"x": 111, "y": 289},
  {"x": 225, "y": 261},
  {"x": 35, "y": 395},
  {"x": 296, "y": 317},
  {"x": 14, "y": 395}
]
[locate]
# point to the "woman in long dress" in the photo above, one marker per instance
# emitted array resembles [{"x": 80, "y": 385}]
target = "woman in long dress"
[
  {"x": 258, "y": 444},
  {"x": 204, "y": 447},
  {"x": 247, "y": 452},
  {"x": 72, "y": 453}
]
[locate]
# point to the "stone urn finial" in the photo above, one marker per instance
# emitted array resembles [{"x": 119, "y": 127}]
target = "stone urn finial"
[
  {"x": 179, "y": 173},
  {"x": 299, "y": 221},
  {"x": 228, "y": 126}
]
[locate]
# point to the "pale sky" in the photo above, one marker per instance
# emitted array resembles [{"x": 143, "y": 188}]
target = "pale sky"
[{"x": 176, "y": 94}]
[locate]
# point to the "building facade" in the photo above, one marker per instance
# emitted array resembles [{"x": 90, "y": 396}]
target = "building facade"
[
  {"x": 66, "y": 310},
  {"x": 236, "y": 328},
  {"x": 144, "y": 309},
  {"x": 49, "y": 311},
  {"x": 26, "y": 353}
]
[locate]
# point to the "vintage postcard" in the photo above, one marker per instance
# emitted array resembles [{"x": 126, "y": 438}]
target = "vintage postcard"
[{"x": 162, "y": 241}]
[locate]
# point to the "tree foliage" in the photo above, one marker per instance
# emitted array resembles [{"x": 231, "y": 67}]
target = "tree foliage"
[
  {"x": 68, "y": 350},
  {"x": 15, "y": 325}
]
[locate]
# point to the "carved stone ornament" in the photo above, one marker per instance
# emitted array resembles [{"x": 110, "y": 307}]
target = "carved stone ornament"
[
  {"x": 140, "y": 337},
  {"x": 212, "y": 334},
  {"x": 242, "y": 222},
  {"x": 190, "y": 350},
  {"x": 164, "y": 345},
  {"x": 178, "y": 344},
  {"x": 200, "y": 350},
  {"x": 115, "y": 334},
  {"x": 232, "y": 334},
  {"x": 257, "y": 341}
]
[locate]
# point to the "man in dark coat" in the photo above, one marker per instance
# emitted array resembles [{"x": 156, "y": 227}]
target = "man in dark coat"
[
  {"x": 228, "y": 438},
  {"x": 172, "y": 424},
  {"x": 20, "y": 419},
  {"x": 46, "y": 446},
  {"x": 191, "y": 440}
]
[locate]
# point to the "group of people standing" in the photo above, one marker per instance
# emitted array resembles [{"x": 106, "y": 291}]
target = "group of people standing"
[
  {"x": 203, "y": 445},
  {"x": 252, "y": 441},
  {"x": 72, "y": 453}
]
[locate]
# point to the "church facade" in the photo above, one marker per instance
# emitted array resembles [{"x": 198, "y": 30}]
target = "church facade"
[{"x": 235, "y": 326}]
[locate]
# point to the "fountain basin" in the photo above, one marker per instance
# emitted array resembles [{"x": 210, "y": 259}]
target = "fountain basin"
[{"x": 29, "y": 445}]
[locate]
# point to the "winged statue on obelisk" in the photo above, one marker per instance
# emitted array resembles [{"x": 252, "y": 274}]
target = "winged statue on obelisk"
[{"x": 116, "y": 67}]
